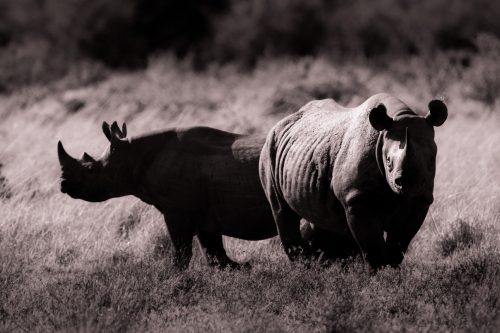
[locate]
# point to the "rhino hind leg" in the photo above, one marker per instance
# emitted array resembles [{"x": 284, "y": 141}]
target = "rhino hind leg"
[
  {"x": 181, "y": 230},
  {"x": 328, "y": 246},
  {"x": 215, "y": 253},
  {"x": 288, "y": 225}
]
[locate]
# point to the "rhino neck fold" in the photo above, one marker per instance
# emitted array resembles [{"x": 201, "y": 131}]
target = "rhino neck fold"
[
  {"x": 143, "y": 152},
  {"x": 378, "y": 153}
]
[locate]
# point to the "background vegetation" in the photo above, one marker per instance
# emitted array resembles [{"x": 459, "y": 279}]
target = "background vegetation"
[{"x": 69, "y": 265}]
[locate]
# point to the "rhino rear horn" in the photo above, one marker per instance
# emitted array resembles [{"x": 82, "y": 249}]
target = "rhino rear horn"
[
  {"x": 64, "y": 158},
  {"x": 438, "y": 112},
  {"x": 379, "y": 119},
  {"x": 87, "y": 158}
]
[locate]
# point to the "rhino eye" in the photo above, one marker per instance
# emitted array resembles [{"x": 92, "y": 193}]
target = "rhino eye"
[{"x": 389, "y": 163}]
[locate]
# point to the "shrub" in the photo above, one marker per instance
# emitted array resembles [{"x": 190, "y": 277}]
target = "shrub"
[
  {"x": 463, "y": 236},
  {"x": 252, "y": 29},
  {"x": 483, "y": 78},
  {"x": 125, "y": 33}
]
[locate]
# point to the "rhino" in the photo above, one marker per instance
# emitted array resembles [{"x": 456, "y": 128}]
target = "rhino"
[
  {"x": 365, "y": 174},
  {"x": 203, "y": 180}
]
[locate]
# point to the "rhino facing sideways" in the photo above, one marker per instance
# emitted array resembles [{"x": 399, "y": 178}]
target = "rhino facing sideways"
[
  {"x": 366, "y": 173},
  {"x": 204, "y": 181}
]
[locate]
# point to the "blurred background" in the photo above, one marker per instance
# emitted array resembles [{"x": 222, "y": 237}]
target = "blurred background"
[{"x": 41, "y": 39}]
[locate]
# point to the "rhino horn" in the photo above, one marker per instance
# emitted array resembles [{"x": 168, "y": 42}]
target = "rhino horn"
[
  {"x": 405, "y": 143},
  {"x": 87, "y": 158},
  {"x": 64, "y": 158},
  {"x": 405, "y": 147},
  {"x": 438, "y": 112},
  {"x": 405, "y": 161}
]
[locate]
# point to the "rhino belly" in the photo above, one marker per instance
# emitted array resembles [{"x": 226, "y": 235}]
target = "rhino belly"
[
  {"x": 237, "y": 204},
  {"x": 244, "y": 222}
]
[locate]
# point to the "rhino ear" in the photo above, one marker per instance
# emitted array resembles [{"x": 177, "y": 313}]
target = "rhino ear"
[
  {"x": 124, "y": 130},
  {"x": 438, "y": 112},
  {"x": 106, "y": 130},
  {"x": 379, "y": 119}
]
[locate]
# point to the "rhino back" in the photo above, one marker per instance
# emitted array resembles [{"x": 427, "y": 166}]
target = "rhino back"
[
  {"x": 213, "y": 175},
  {"x": 169, "y": 165}
]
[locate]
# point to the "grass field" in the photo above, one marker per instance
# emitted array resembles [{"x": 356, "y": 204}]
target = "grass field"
[{"x": 69, "y": 265}]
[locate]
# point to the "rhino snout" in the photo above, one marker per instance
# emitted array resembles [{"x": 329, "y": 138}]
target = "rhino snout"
[
  {"x": 398, "y": 181},
  {"x": 64, "y": 185}
]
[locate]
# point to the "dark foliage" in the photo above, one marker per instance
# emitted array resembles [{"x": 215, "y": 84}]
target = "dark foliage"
[
  {"x": 124, "y": 33},
  {"x": 463, "y": 236}
]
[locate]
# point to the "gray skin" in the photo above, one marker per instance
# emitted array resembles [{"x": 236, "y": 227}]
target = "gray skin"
[
  {"x": 357, "y": 172},
  {"x": 204, "y": 181}
]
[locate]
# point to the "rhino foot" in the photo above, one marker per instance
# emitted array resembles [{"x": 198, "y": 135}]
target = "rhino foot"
[
  {"x": 227, "y": 263},
  {"x": 240, "y": 267},
  {"x": 213, "y": 247}
]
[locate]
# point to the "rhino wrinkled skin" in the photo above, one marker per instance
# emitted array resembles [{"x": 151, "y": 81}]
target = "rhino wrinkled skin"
[
  {"x": 365, "y": 174},
  {"x": 204, "y": 181}
]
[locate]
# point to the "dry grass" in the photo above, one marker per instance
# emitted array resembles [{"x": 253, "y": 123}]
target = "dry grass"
[{"x": 68, "y": 265}]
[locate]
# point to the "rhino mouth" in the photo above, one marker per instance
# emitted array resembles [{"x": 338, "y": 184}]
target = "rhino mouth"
[
  {"x": 75, "y": 192},
  {"x": 64, "y": 185},
  {"x": 396, "y": 183}
]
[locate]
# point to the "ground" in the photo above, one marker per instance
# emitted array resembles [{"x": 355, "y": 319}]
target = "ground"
[{"x": 69, "y": 265}]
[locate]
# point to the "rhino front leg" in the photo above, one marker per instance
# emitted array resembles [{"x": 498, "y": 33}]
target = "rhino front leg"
[
  {"x": 181, "y": 230},
  {"x": 368, "y": 233},
  {"x": 214, "y": 250},
  {"x": 404, "y": 229}
]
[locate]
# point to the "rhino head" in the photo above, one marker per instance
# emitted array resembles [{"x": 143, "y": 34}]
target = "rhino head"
[
  {"x": 102, "y": 179},
  {"x": 406, "y": 151}
]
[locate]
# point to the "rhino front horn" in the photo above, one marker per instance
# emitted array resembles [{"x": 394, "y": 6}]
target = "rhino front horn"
[
  {"x": 438, "y": 112},
  {"x": 64, "y": 157}
]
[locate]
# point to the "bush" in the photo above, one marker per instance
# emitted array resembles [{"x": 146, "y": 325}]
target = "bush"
[
  {"x": 253, "y": 29},
  {"x": 463, "y": 236},
  {"x": 125, "y": 33},
  {"x": 483, "y": 77}
]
